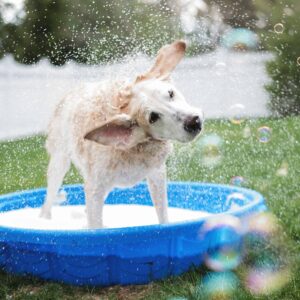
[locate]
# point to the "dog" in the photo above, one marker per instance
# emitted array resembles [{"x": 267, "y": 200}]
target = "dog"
[{"x": 118, "y": 133}]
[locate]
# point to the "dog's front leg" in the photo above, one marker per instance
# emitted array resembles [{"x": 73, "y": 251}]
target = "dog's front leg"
[
  {"x": 94, "y": 199},
  {"x": 157, "y": 183}
]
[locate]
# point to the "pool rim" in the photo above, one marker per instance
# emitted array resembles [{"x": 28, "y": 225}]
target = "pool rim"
[{"x": 258, "y": 200}]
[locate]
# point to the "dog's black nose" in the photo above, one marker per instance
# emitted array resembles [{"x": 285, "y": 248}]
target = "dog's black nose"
[{"x": 192, "y": 124}]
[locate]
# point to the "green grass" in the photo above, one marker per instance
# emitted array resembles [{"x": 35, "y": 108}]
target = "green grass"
[{"x": 23, "y": 165}]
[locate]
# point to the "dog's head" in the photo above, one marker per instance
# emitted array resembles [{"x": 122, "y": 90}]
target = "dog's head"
[{"x": 152, "y": 107}]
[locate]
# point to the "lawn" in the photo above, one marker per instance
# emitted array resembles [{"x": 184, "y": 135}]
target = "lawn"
[{"x": 272, "y": 168}]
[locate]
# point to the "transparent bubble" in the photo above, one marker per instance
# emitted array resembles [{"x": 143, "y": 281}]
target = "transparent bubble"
[
  {"x": 237, "y": 113},
  {"x": 238, "y": 181},
  {"x": 225, "y": 242},
  {"x": 266, "y": 263},
  {"x": 283, "y": 170},
  {"x": 263, "y": 281},
  {"x": 264, "y": 134},
  {"x": 263, "y": 223},
  {"x": 298, "y": 61},
  {"x": 210, "y": 147},
  {"x": 220, "y": 68},
  {"x": 219, "y": 285},
  {"x": 278, "y": 28}
]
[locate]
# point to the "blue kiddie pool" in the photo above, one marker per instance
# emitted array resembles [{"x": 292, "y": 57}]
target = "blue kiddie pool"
[{"x": 131, "y": 255}]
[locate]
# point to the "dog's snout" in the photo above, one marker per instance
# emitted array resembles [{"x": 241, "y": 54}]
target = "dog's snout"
[{"x": 192, "y": 124}]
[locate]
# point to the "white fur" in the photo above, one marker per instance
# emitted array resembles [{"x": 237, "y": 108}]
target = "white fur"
[{"x": 104, "y": 130}]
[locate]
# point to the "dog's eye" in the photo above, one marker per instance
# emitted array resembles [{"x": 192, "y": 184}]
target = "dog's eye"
[
  {"x": 171, "y": 93},
  {"x": 153, "y": 117}
]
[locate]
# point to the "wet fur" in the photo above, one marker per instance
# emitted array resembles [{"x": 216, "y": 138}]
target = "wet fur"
[{"x": 104, "y": 167}]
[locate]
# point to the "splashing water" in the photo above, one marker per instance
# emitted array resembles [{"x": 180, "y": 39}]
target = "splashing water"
[{"x": 266, "y": 266}]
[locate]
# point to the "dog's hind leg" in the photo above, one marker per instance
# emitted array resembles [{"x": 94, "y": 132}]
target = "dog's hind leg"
[{"x": 57, "y": 169}]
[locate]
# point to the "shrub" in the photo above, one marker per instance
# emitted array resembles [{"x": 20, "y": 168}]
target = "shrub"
[{"x": 284, "y": 70}]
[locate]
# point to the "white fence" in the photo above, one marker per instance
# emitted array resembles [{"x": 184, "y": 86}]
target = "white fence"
[{"x": 212, "y": 81}]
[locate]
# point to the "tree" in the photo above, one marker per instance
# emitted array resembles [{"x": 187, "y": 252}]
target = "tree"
[
  {"x": 88, "y": 31},
  {"x": 284, "y": 70},
  {"x": 237, "y": 13}
]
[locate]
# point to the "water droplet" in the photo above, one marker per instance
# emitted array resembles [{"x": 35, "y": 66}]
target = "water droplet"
[
  {"x": 238, "y": 181},
  {"x": 278, "y": 28},
  {"x": 266, "y": 280},
  {"x": 264, "y": 134},
  {"x": 237, "y": 113},
  {"x": 298, "y": 61}
]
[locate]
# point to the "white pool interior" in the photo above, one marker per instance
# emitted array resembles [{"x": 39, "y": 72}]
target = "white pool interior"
[{"x": 74, "y": 217}]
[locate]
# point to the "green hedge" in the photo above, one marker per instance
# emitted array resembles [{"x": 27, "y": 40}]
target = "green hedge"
[{"x": 284, "y": 70}]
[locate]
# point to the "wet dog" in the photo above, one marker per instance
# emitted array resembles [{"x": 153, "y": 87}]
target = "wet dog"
[{"x": 119, "y": 133}]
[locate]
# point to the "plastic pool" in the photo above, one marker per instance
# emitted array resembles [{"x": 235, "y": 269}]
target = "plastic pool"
[{"x": 132, "y": 255}]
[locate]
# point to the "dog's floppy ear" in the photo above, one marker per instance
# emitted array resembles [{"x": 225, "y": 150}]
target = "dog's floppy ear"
[
  {"x": 167, "y": 59},
  {"x": 120, "y": 132}
]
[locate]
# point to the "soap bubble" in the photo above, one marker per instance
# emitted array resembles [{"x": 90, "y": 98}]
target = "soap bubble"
[
  {"x": 283, "y": 170},
  {"x": 225, "y": 243},
  {"x": 220, "y": 68},
  {"x": 278, "y": 28},
  {"x": 219, "y": 285},
  {"x": 237, "y": 113},
  {"x": 264, "y": 224},
  {"x": 238, "y": 181},
  {"x": 266, "y": 266},
  {"x": 223, "y": 258},
  {"x": 264, "y": 134},
  {"x": 264, "y": 281},
  {"x": 210, "y": 147},
  {"x": 298, "y": 61}
]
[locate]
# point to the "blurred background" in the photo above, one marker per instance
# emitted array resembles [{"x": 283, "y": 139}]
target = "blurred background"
[{"x": 47, "y": 47}]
